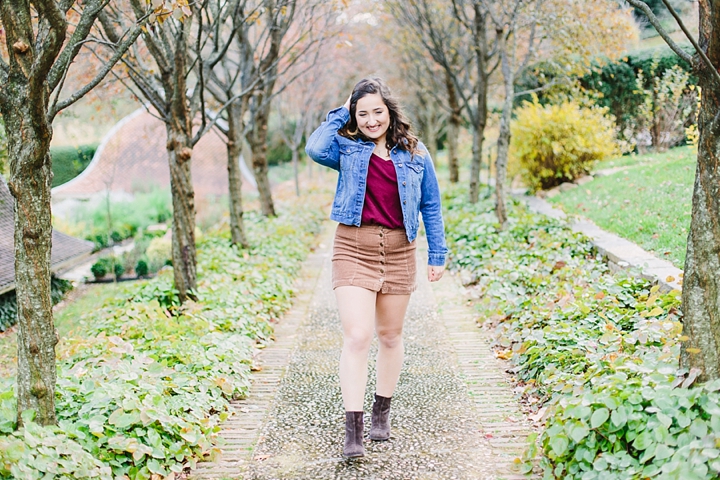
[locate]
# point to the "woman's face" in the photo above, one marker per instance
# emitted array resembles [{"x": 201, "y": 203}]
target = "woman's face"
[{"x": 372, "y": 116}]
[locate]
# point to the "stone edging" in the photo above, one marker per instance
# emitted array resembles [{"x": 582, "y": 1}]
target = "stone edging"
[{"x": 620, "y": 253}]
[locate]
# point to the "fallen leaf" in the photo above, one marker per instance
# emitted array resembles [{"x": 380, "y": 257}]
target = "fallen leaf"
[
  {"x": 504, "y": 354},
  {"x": 537, "y": 416},
  {"x": 558, "y": 265}
]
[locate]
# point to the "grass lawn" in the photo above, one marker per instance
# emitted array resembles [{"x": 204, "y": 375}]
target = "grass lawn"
[
  {"x": 648, "y": 203},
  {"x": 90, "y": 298}
]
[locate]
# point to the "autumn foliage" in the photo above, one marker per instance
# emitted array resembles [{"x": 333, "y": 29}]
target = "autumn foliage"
[{"x": 559, "y": 143}]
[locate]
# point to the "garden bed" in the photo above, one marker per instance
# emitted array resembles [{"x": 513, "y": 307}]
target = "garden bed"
[
  {"x": 144, "y": 385},
  {"x": 595, "y": 354}
]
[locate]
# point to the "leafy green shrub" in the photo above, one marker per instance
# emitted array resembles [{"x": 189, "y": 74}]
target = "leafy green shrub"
[
  {"x": 161, "y": 291},
  {"x": 668, "y": 106},
  {"x": 69, "y": 162},
  {"x": 616, "y": 86},
  {"x": 559, "y": 143},
  {"x": 118, "y": 269},
  {"x": 8, "y": 310},
  {"x": 597, "y": 352},
  {"x": 141, "y": 268},
  {"x": 99, "y": 269},
  {"x": 144, "y": 390}
]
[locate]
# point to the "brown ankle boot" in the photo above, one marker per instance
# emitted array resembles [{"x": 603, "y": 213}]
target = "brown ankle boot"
[
  {"x": 354, "y": 435},
  {"x": 380, "y": 428}
]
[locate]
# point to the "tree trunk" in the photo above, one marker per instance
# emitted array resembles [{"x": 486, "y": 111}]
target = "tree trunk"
[
  {"x": 258, "y": 144},
  {"x": 296, "y": 173},
  {"x": 179, "y": 146},
  {"x": 24, "y": 106},
  {"x": 234, "y": 147},
  {"x": 184, "y": 254},
  {"x": 480, "y": 120},
  {"x": 701, "y": 282},
  {"x": 431, "y": 133},
  {"x": 655, "y": 128},
  {"x": 29, "y": 136},
  {"x": 453, "y": 129},
  {"x": 503, "y": 142}
]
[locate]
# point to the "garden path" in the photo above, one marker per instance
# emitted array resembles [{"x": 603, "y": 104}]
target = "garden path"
[{"x": 454, "y": 414}]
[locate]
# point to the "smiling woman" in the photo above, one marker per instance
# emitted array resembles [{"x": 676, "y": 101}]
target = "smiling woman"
[{"x": 386, "y": 180}]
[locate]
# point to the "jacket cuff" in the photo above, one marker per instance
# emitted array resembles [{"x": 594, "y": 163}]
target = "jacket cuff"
[
  {"x": 341, "y": 112},
  {"x": 436, "y": 259}
]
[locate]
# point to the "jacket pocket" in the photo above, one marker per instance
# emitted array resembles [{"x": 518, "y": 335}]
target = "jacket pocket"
[
  {"x": 348, "y": 156},
  {"x": 416, "y": 167}
]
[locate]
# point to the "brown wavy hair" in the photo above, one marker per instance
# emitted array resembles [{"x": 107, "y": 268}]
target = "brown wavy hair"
[{"x": 399, "y": 132}]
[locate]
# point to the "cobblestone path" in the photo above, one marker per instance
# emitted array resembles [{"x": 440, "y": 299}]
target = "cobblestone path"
[{"x": 453, "y": 414}]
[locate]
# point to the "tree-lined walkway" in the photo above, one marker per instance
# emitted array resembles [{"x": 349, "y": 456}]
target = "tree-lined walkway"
[{"x": 453, "y": 417}]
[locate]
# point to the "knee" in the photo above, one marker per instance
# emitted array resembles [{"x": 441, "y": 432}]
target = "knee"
[
  {"x": 390, "y": 339},
  {"x": 357, "y": 341}
]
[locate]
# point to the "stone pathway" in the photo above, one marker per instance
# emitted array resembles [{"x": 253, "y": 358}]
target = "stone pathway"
[{"x": 454, "y": 415}]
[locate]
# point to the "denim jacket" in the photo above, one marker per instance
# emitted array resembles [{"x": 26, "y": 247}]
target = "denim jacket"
[{"x": 417, "y": 182}]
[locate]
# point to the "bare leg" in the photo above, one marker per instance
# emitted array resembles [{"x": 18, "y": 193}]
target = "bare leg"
[
  {"x": 357, "y": 315},
  {"x": 389, "y": 316}
]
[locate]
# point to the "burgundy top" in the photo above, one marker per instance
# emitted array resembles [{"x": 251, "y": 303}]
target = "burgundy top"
[{"x": 382, "y": 199}]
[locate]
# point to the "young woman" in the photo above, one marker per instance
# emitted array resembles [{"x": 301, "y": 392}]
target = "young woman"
[{"x": 386, "y": 179}]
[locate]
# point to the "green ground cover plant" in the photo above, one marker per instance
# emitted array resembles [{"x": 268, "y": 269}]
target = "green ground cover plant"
[
  {"x": 89, "y": 298},
  {"x": 596, "y": 352},
  {"x": 144, "y": 385},
  {"x": 649, "y": 203}
]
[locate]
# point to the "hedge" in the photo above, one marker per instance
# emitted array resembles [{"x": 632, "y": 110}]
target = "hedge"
[
  {"x": 69, "y": 162},
  {"x": 615, "y": 82}
]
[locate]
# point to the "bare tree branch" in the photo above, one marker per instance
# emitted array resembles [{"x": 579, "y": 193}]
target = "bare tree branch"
[
  {"x": 74, "y": 44},
  {"x": 687, "y": 33},
  {"x": 639, "y": 4},
  {"x": 49, "y": 10},
  {"x": 119, "y": 52}
]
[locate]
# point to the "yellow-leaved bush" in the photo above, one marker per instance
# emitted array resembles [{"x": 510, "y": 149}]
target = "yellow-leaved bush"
[{"x": 559, "y": 143}]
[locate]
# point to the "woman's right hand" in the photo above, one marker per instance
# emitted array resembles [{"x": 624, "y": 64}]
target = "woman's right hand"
[{"x": 347, "y": 103}]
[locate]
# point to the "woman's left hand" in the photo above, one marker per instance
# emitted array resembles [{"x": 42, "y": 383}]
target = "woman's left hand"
[{"x": 435, "y": 273}]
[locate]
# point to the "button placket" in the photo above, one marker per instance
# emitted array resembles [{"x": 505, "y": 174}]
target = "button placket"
[{"x": 382, "y": 251}]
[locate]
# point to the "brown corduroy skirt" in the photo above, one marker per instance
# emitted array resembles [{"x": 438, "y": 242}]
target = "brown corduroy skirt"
[{"x": 374, "y": 257}]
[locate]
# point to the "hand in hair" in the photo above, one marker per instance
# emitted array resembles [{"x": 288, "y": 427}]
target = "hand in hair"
[{"x": 347, "y": 102}]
